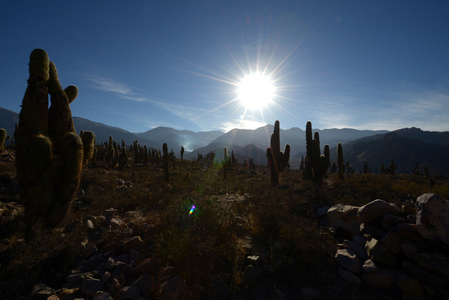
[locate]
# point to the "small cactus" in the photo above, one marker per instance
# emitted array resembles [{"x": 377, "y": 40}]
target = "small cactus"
[
  {"x": 182, "y": 152},
  {"x": 277, "y": 160}
]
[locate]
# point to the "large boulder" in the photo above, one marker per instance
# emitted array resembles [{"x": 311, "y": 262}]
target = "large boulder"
[
  {"x": 375, "y": 211},
  {"x": 432, "y": 217},
  {"x": 344, "y": 217}
]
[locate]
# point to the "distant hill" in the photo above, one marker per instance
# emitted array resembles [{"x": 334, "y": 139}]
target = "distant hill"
[
  {"x": 296, "y": 137},
  {"x": 241, "y": 153},
  {"x": 176, "y": 138},
  {"x": 406, "y": 146},
  {"x": 102, "y": 133},
  {"x": 153, "y": 138}
]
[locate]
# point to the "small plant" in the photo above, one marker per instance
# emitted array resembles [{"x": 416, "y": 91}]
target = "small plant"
[{"x": 182, "y": 152}]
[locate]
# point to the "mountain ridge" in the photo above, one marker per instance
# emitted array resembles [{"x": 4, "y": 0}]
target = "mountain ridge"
[{"x": 407, "y": 145}]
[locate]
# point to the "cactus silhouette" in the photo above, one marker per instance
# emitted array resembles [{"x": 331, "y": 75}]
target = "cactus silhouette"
[
  {"x": 88, "y": 138},
  {"x": 49, "y": 153},
  {"x": 277, "y": 160},
  {"x": 165, "y": 158},
  {"x": 2, "y": 139},
  {"x": 340, "y": 164}
]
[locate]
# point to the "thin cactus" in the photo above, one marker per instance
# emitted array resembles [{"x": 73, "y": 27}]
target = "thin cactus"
[
  {"x": 165, "y": 158},
  {"x": 340, "y": 160}
]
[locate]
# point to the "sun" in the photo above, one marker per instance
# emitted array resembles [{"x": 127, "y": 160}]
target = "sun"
[{"x": 255, "y": 91}]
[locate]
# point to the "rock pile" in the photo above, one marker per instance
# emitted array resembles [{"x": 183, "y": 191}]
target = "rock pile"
[
  {"x": 400, "y": 252},
  {"x": 130, "y": 271}
]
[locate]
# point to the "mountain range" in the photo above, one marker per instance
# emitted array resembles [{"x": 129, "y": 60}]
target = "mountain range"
[{"x": 407, "y": 146}]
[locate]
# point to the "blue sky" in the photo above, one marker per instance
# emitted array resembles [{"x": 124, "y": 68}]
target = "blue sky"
[{"x": 143, "y": 64}]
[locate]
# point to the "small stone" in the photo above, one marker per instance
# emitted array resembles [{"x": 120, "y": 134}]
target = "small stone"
[
  {"x": 252, "y": 274},
  {"x": 375, "y": 211},
  {"x": 380, "y": 279},
  {"x": 357, "y": 248},
  {"x": 344, "y": 217},
  {"x": 359, "y": 239},
  {"x": 101, "y": 295},
  {"x": 106, "y": 277},
  {"x": 423, "y": 275},
  {"x": 372, "y": 230},
  {"x": 408, "y": 210},
  {"x": 349, "y": 260},
  {"x": 134, "y": 257},
  {"x": 279, "y": 247},
  {"x": 409, "y": 285},
  {"x": 369, "y": 266},
  {"x": 145, "y": 285},
  {"x": 432, "y": 217},
  {"x": 380, "y": 253},
  {"x": 310, "y": 294},
  {"x": 435, "y": 262},
  {"x": 392, "y": 241},
  {"x": 42, "y": 291},
  {"x": 172, "y": 288},
  {"x": 91, "y": 285},
  {"x": 89, "y": 225},
  {"x": 390, "y": 221},
  {"x": 129, "y": 292},
  {"x": 322, "y": 211},
  {"x": 409, "y": 231},
  {"x": 409, "y": 249},
  {"x": 253, "y": 260},
  {"x": 349, "y": 276},
  {"x": 135, "y": 243}
]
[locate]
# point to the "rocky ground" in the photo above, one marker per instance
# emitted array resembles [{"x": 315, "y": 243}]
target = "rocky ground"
[{"x": 378, "y": 250}]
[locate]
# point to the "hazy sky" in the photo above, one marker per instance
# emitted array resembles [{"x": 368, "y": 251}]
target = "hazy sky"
[{"x": 143, "y": 64}]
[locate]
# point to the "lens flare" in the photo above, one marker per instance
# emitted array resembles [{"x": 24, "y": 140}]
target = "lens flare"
[{"x": 192, "y": 209}]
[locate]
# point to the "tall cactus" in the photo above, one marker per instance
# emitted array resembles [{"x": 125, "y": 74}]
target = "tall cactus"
[
  {"x": 316, "y": 165},
  {"x": 308, "y": 175},
  {"x": 277, "y": 160},
  {"x": 122, "y": 159},
  {"x": 340, "y": 164},
  {"x": 165, "y": 158},
  {"x": 182, "y": 152},
  {"x": 2, "y": 139},
  {"x": 226, "y": 162},
  {"x": 49, "y": 153}
]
